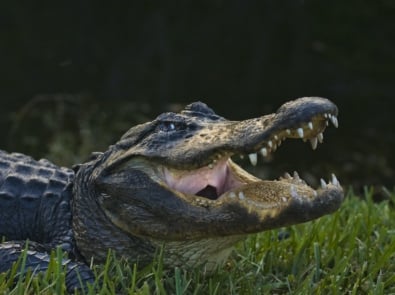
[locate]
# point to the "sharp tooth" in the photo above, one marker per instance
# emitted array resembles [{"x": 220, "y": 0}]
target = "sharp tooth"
[
  {"x": 310, "y": 125},
  {"x": 334, "y": 180},
  {"x": 275, "y": 137},
  {"x": 241, "y": 196},
  {"x": 264, "y": 152},
  {"x": 296, "y": 175},
  {"x": 326, "y": 115},
  {"x": 326, "y": 123},
  {"x": 334, "y": 121},
  {"x": 300, "y": 132},
  {"x": 329, "y": 115},
  {"x": 287, "y": 175},
  {"x": 323, "y": 183},
  {"x": 270, "y": 143},
  {"x": 211, "y": 166},
  {"x": 314, "y": 142},
  {"x": 232, "y": 195},
  {"x": 320, "y": 137},
  {"x": 253, "y": 158},
  {"x": 315, "y": 193},
  {"x": 288, "y": 131},
  {"x": 279, "y": 142}
]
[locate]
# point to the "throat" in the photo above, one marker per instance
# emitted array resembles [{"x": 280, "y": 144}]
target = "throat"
[{"x": 209, "y": 192}]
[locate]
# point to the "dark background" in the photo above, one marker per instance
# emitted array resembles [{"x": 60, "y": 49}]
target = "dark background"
[{"x": 75, "y": 75}]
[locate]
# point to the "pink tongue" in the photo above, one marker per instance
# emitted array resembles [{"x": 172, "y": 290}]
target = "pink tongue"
[{"x": 197, "y": 180}]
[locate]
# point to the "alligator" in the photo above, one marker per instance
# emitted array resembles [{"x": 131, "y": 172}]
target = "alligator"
[{"x": 171, "y": 184}]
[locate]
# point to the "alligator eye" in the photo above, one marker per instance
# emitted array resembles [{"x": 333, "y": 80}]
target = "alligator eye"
[{"x": 170, "y": 126}]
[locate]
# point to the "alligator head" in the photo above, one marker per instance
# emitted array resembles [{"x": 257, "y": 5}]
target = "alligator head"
[{"x": 173, "y": 180}]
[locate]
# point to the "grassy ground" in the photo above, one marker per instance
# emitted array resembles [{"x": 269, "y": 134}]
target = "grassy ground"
[{"x": 349, "y": 252}]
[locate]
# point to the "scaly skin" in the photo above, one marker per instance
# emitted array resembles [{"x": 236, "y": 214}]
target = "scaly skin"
[{"x": 171, "y": 182}]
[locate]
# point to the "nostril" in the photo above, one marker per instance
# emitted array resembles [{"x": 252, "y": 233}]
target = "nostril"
[{"x": 209, "y": 192}]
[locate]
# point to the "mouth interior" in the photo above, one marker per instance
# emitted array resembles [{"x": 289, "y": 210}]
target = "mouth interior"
[{"x": 209, "y": 182}]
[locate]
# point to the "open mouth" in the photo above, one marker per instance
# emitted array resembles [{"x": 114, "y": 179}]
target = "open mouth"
[
  {"x": 222, "y": 178},
  {"x": 183, "y": 183}
]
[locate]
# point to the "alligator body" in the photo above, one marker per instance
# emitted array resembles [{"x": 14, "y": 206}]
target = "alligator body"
[{"x": 170, "y": 182}]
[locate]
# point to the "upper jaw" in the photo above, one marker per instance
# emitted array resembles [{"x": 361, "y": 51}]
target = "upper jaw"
[
  {"x": 304, "y": 118},
  {"x": 309, "y": 131}
]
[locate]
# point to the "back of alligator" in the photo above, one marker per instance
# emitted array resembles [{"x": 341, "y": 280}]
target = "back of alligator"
[{"x": 34, "y": 200}]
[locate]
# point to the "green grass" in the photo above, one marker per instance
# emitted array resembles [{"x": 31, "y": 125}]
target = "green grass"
[{"x": 349, "y": 252}]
